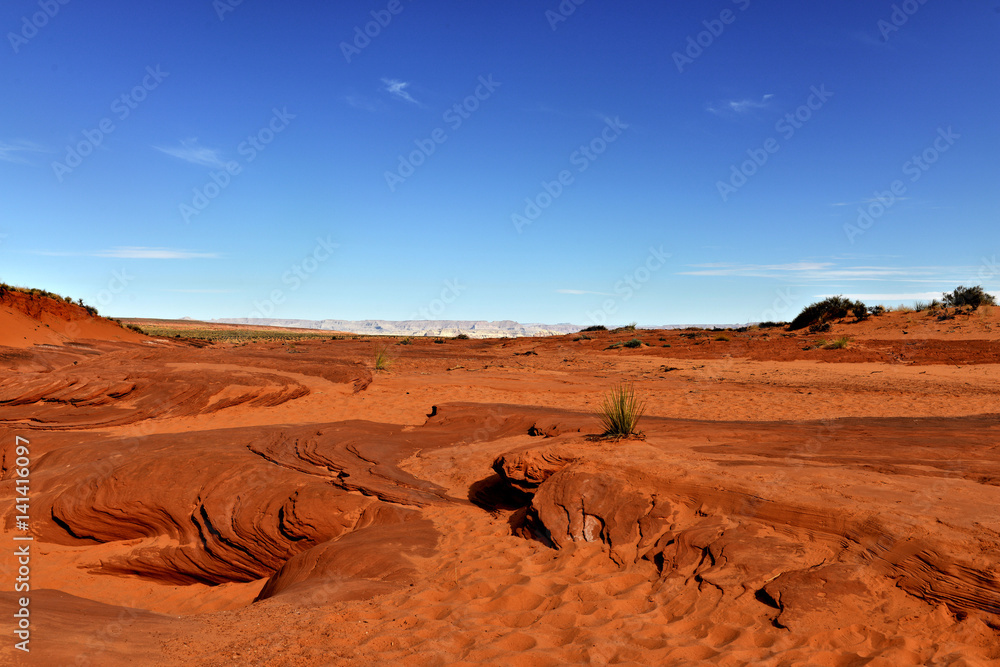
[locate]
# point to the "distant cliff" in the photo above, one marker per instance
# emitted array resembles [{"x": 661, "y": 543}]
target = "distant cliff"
[{"x": 472, "y": 328}]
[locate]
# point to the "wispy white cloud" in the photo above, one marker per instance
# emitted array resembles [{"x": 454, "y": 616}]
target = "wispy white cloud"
[
  {"x": 140, "y": 252},
  {"x": 132, "y": 252},
  {"x": 828, "y": 272},
  {"x": 905, "y": 296},
  {"x": 191, "y": 151},
  {"x": 581, "y": 291},
  {"x": 362, "y": 102},
  {"x": 740, "y": 106},
  {"x": 16, "y": 151},
  {"x": 398, "y": 88},
  {"x": 870, "y": 200}
]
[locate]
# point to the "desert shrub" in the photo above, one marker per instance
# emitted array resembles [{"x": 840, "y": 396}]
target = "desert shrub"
[
  {"x": 405, "y": 341},
  {"x": 722, "y": 337},
  {"x": 974, "y": 297},
  {"x": 135, "y": 327},
  {"x": 831, "y": 308},
  {"x": 380, "y": 352},
  {"x": 581, "y": 337},
  {"x": 819, "y": 328},
  {"x": 621, "y": 411},
  {"x": 860, "y": 311},
  {"x": 877, "y": 310},
  {"x": 462, "y": 336},
  {"x": 439, "y": 341},
  {"x": 596, "y": 327},
  {"x": 635, "y": 342},
  {"x": 628, "y": 327},
  {"x": 838, "y": 343},
  {"x": 771, "y": 325}
]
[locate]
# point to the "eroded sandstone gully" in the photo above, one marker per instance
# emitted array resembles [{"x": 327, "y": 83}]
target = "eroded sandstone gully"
[{"x": 807, "y": 525}]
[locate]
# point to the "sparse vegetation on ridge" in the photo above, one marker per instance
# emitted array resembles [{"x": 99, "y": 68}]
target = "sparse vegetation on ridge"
[
  {"x": 821, "y": 312},
  {"x": 974, "y": 297}
]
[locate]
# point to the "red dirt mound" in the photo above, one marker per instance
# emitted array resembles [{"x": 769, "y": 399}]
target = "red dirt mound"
[{"x": 28, "y": 319}]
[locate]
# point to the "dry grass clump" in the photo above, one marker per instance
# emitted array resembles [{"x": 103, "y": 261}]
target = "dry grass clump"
[
  {"x": 621, "y": 411},
  {"x": 380, "y": 351}
]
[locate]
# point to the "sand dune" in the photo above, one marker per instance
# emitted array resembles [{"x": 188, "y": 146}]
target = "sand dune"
[{"x": 787, "y": 505}]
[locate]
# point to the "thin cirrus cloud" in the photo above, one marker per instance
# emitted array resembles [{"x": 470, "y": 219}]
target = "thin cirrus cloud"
[
  {"x": 364, "y": 103},
  {"x": 397, "y": 88},
  {"x": 581, "y": 291},
  {"x": 191, "y": 151},
  {"x": 133, "y": 252},
  {"x": 825, "y": 271},
  {"x": 16, "y": 151},
  {"x": 140, "y": 252},
  {"x": 740, "y": 106}
]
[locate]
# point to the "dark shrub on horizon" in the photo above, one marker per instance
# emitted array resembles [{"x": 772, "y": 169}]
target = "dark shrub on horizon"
[
  {"x": 596, "y": 327},
  {"x": 969, "y": 296},
  {"x": 771, "y": 325},
  {"x": 821, "y": 312}
]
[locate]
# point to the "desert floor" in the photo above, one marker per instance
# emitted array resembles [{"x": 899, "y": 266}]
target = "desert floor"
[{"x": 281, "y": 503}]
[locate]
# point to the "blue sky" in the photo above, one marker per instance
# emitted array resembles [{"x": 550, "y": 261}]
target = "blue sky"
[{"x": 710, "y": 162}]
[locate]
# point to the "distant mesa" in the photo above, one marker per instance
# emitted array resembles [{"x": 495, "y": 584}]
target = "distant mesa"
[{"x": 443, "y": 328}]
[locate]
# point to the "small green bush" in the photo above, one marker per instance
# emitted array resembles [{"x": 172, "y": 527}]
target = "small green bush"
[
  {"x": 621, "y": 411},
  {"x": 405, "y": 341},
  {"x": 635, "y": 342},
  {"x": 380, "y": 350},
  {"x": 722, "y": 337},
  {"x": 838, "y": 343}
]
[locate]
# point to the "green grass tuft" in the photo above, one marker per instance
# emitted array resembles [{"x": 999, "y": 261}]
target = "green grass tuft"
[
  {"x": 380, "y": 350},
  {"x": 621, "y": 411}
]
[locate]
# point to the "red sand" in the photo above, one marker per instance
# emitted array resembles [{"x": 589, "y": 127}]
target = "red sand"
[{"x": 285, "y": 505}]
